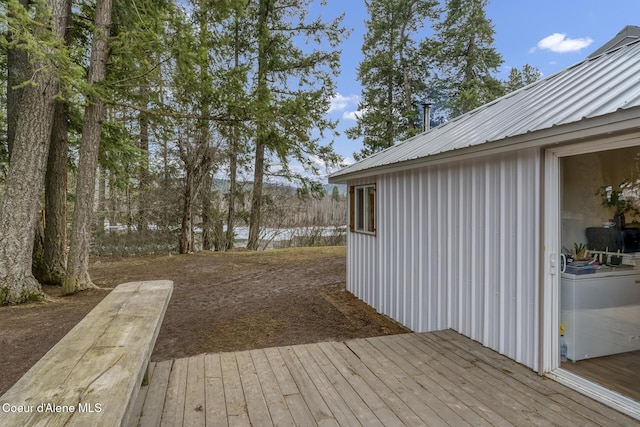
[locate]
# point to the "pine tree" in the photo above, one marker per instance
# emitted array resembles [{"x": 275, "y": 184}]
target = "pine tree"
[
  {"x": 37, "y": 34},
  {"x": 335, "y": 194},
  {"x": 393, "y": 73},
  {"x": 293, "y": 86},
  {"x": 50, "y": 265},
  {"x": 140, "y": 46},
  {"x": 465, "y": 57},
  {"x": 521, "y": 78},
  {"x": 236, "y": 132},
  {"x": 197, "y": 94},
  {"x": 77, "y": 274}
]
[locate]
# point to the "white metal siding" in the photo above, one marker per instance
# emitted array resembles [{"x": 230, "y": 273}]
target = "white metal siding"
[{"x": 457, "y": 247}]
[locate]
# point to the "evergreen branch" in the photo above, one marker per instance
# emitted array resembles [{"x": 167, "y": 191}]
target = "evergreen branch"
[
  {"x": 160, "y": 112},
  {"x": 141, "y": 75}
]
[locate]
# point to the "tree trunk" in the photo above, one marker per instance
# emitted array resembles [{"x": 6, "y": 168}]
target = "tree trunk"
[
  {"x": 129, "y": 201},
  {"x": 261, "y": 132},
  {"x": 186, "y": 242},
  {"x": 18, "y": 70},
  {"x": 114, "y": 202},
  {"x": 102, "y": 201},
  {"x": 25, "y": 179},
  {"x": 233, "y": 157},
  {"x": 406, "y": 84},
  {"x": 207, "y": 224},
  {"x": 201, "y": 159},
  {"x": 390, "y": 113},
  {"x": 218, "y": 240},
  {"x": 256, "y": 199},
  {"x": 54, "y": 260},
  {"x": 231, "y": 215},
  {"x": 166, "y": 183},
  {"x": 77, "y": 277},
  {"x": 197, "y": 165},
  {"x": 143, "y": 178},
  {"x": 37, "y": 257}
]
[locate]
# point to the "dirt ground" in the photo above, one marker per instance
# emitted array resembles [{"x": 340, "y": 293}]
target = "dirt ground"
[{"x": 221, "y": 302}]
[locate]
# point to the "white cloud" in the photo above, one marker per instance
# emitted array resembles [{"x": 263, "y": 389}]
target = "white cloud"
[
  {"x": 559, "y": 43},
  {"x": 350, "y": 115},
  {"x": 317, "y": 160},
  {"x": 340, "y": 102},
  {"x": 348, "y": 161}
]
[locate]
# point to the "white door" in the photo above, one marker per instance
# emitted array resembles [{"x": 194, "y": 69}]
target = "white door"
[{"x": 554, "y": 225}]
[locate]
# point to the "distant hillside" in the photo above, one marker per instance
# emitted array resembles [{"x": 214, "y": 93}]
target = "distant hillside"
[{"x": 223, "y": 185}]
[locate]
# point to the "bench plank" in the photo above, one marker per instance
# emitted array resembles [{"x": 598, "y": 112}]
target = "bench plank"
[{"x": 94, "y": 373}]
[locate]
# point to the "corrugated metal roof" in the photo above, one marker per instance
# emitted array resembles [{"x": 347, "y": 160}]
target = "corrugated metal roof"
[
  {"x": 625, "y": 36},
  {"x": 594, "y": 87}
]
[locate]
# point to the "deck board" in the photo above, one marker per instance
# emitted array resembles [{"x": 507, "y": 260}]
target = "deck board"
[
  {"x": 142, "y": 397},
  {"x": 194, "y": 414},
  {"x": 215, "y": 406},
  {"x": 254, "y": 397},
  {"x": 451, "y": 409},
  {"x": 390, "y": 400},
  {"x": 156, "y": 393},
  {"x": 461, "y": 374},
  {"x": 578, "y": 403},
  {"x": 345, "y": 392},
  {"x": 535, "y": 394},
  {"x": 316, "y": 404},
  {"x": 233, "y": 393},
  {"x": 341, "y": 410},
  {"x": 274, "y": 398},
  {"x": 437, "y": 378},
  {"x": 513, "y": 406},
  {"x": 454, "y": 394},
  {"x": 364, "y": 390},
  {"x": 401, "y": 385},
  {"x": 173, "y": 411}
]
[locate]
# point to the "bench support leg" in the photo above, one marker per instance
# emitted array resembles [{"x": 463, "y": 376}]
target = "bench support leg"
[{"x": 145, "y": 378}]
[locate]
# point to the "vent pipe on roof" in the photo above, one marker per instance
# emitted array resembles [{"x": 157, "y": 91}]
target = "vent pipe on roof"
[{"x": 426, "y": 117}]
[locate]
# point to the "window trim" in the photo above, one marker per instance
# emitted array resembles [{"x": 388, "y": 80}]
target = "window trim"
[{"x": 362, "y": 209}]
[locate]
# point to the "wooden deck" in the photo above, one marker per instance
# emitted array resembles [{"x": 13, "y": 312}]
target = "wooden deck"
[{"x": 436, "y": 379}]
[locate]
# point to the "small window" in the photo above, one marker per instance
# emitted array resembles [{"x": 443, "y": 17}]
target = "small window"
[{"x": 363, "y": 208}]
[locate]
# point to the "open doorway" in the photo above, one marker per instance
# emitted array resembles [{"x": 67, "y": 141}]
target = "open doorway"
[{"x": 600, "y": 279}]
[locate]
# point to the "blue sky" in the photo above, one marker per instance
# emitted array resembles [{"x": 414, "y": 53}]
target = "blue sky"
[{"x": 548, "y": 34}]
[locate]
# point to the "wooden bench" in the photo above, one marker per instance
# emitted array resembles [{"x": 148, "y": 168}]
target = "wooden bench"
[{"x": 93, "y": 375}]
